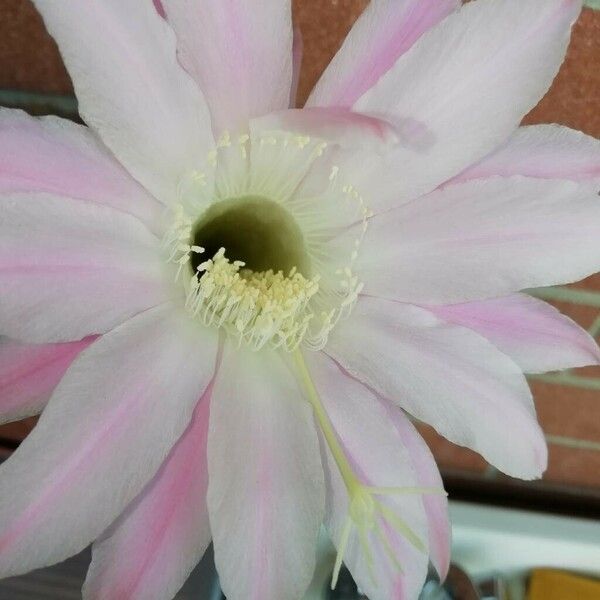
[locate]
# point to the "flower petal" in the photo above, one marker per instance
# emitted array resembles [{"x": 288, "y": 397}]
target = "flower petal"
[
  {"x": 266, "y": 491},
  {"x": 545, "y": 151},
  {"x": 106, "y": 430},
  {"x": 465, "y": 86},
  {"x": 483, "y": 239},
  {"x": 339, "y": 126},
  {"x": 152, "y": 548},
  {"x": 69, "y": 269},
  {"x": 122, "y": 60},
  {"x": 56, "y": 156},
  {"x": 378, "y": 454},
  {"x": 447, "y": 376},
  {"x": 30, "y": 372},
  {"x": 240, "y": 52},
  {"x": 534, "y": 334},
  {"x": 385, "y": 31}
]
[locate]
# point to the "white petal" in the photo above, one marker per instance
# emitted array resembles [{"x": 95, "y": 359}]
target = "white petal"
[
  {"x": 69, "y": 269},
  {"x": 105, "y": 432},
  {"x": 483, "y": 239},
  {"x": 240, "y": 52},
  {"x": 464, "y": 87},
  {"x": 379, "y": 455},
  {"x": 534, "y": 334},
  {"x": 545, "y": 151},
  {"x": 149, "y": 552},
  {"x": 30, "y": 372},
  {"x": 447, "y": 376},
  {"x": 266, "y": 491},
  {"x": 59, "y": 157},
  {"x": 121, "y": 57},
  {"x": 384, "y": 32}
]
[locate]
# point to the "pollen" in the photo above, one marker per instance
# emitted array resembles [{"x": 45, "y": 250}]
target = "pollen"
[{"x": 256, "y": 308}]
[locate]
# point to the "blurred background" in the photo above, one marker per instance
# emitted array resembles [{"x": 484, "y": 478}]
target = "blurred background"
[{"x": 32, "y": 77}]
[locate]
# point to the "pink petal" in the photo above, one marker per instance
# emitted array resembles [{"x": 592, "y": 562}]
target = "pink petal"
[
  {"x": 53, "y": 155},
  {"x": 240, "y": 53},
  {"x": 159, "y": 8},
  {"x": 266, "y": 491},
  {"x": 69, "y": 269},
  {"x": 131, "y": 90},
  {"x": 447, "y": 376},
  {"x": 534, "y": 334},
  {"x": 482, "y": 239},
  {"x": 347, "y": 129},
  {"x": 152, "y": 548},
  {"x": 377, "y": 453},
  {"x": 465, "y": 86},
  {"x": 383, "y": 33},
  {"x": 30, "y": 372},
  {"x": 105, "y": 432},
  {"x": 545, "y": 151}
]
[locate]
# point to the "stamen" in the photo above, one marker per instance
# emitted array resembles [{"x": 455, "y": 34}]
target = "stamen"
[
  {"x": 255, "y": 307},
  {"x": 281, "y": 309},
  {"x": 344, "y": 539},
  {"x": 365, "y": 512}
]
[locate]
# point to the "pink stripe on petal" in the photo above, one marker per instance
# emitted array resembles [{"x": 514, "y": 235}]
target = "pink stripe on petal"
[
  {"x": 513, "y": 47},
  {"x": 151, "y": 549},
  {"x": 543, "y": 151},
  {"x": 56, "y": 156},
  {"x": 265, "y": 495},
  {"x": 482, "y": 239},
  {"x": 131, "y": 89},
  {"x": 104, "y": 434},
  {"x": 72, "y": 470},
  {"x": 30, "y": 372},
  {"x": 239, "y": 52},
  {"x": 339, "y": 126},
  {"x": 82, "y": 268},
  {"x": 159, "y": 8},
  {"x": 476, "y": 396},
  {"x": 534, "y": 334},
  {"x": 383, "y": 33}
]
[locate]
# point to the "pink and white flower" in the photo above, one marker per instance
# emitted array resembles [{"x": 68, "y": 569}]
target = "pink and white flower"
[{"x": 224, "y": 305}]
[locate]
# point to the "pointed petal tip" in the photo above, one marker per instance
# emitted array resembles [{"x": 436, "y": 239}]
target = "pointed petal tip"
[{"x": 534, "y": 468}]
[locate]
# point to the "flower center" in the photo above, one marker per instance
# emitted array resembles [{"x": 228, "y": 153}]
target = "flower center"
[
  {"x": 253, "y": 230},
  {"x": 265, "y": 238}
]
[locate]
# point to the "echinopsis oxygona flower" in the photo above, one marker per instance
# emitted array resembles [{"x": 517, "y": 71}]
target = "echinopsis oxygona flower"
[{"x": 224, "y": 305}]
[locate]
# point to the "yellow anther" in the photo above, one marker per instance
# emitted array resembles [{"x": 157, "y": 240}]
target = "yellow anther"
[
  {"x": 212, "y": 158},
  {"x": 302, "y": 141},
  {"x": 199, "y": 177},
  {"x": 225, "y": 140},
  {"x": 259, "y": 307}
]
